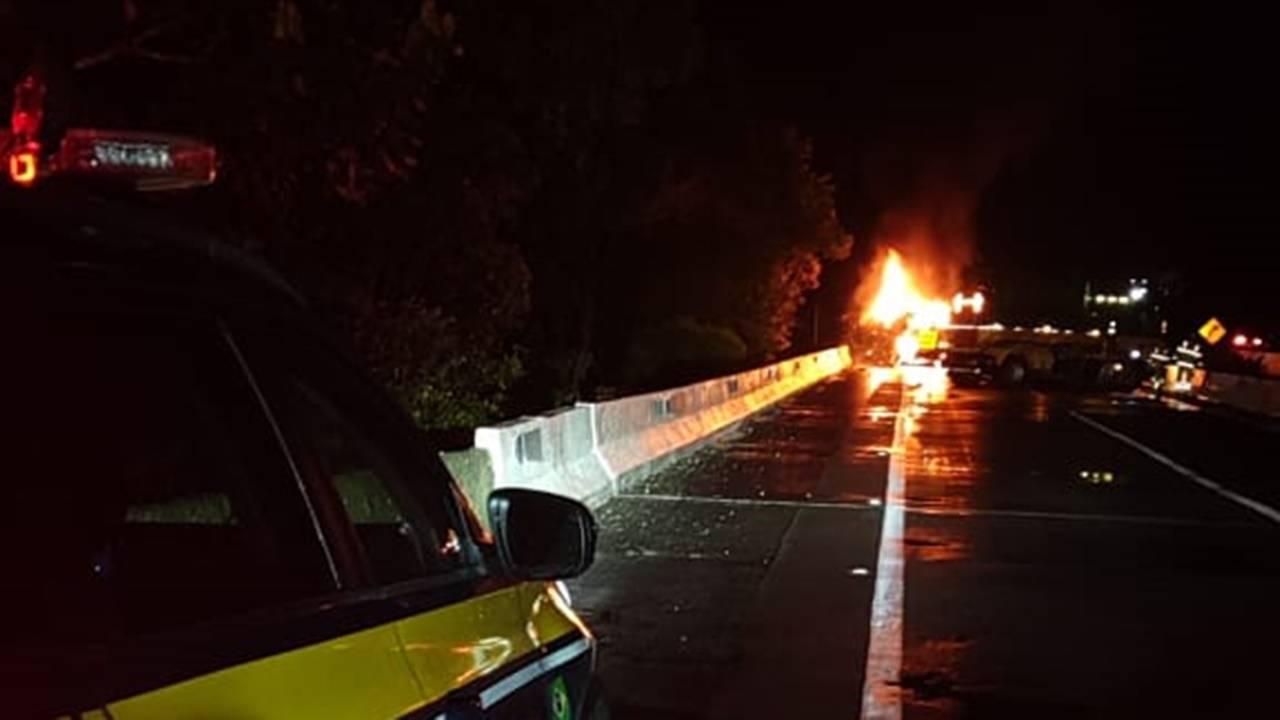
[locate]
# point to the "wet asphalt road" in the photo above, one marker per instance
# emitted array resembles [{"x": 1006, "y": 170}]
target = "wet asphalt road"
[{"x": 1051, "y": 570}]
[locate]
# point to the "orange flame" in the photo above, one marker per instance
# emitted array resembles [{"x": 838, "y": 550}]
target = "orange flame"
[{"x": 898, "y": 299}]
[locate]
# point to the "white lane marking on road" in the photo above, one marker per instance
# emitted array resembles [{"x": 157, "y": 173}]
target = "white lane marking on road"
[
  {"x": 873, "y": 503},
  {"x": 1073, "y": 517},
  {"x": 750, "y": 502},
  {"x": 1264, "y": 510},
  {"x": 647, "y": 554},
  {"x": 881, "y": 684}
]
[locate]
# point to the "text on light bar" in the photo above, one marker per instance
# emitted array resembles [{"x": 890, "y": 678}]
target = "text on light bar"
[{"x": 139, "y": 155}]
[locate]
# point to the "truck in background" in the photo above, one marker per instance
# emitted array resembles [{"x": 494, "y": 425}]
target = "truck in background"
[{"x": 1010, "y": 357}]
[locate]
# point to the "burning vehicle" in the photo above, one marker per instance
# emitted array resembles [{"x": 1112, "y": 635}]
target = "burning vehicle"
[{"x": 903, "y": 325}]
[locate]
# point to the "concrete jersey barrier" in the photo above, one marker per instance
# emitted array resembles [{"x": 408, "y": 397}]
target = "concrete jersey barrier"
[
  {"x": 633, "y": 432},
  {"x": 587, "y": 452},
  {"x": 1257, "y": 395},
  {"x": 552, "y": 452}
]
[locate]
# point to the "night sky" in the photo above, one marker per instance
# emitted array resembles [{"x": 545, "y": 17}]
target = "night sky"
[
  {"x": 1037, "y": 148},
  {"x": 1029, "y": 149}
]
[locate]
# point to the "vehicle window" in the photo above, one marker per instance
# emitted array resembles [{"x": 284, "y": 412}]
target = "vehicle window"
[
  {"x": 146, "y": 490},
  {"x": 402, "y": 534}
]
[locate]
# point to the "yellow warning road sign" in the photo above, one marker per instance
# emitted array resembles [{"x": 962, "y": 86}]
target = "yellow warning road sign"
[{"x": 1213, "y": 331}]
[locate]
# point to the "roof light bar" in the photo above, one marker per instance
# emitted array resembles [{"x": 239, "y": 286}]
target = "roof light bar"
[{"x": 150, "y": 161}]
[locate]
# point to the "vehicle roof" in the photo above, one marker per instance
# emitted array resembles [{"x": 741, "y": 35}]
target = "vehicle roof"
[{"x": 136, "y": 245}]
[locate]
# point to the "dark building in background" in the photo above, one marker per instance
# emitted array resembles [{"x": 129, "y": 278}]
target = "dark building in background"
[{"x": 1134, "y": 306}]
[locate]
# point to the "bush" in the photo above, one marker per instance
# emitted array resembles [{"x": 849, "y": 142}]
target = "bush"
[{"x": 682, "y": 350}]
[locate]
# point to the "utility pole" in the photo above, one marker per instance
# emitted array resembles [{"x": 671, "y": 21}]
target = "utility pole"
[{"x": 815, "y": 323}]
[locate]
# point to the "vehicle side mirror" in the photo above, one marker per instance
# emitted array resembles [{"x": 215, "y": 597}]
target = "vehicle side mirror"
[{"x": 541, "y": 536}]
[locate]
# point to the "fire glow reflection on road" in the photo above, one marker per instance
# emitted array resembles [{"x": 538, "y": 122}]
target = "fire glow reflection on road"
[
  {"x": 882, "y": 679},
  {"x": 882, "y": 688},
  {"x": 941, "y": 461},
  {"x": 928, "y": 385},
  {"x": 876, "y": 377}
]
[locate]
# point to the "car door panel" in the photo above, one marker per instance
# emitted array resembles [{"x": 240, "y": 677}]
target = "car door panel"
[
  {"x": 451, "y": 647},
  {"x": 508, "y": 653},
  {"x": 359, "y": 675},
  {"x": 496, "y": 648}
]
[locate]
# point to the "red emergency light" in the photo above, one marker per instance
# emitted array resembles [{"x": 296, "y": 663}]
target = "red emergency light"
[{"x": 28, "y": 107}]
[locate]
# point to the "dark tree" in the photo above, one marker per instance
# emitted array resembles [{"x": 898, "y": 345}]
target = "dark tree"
[{"x": 493, "y": 200}]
